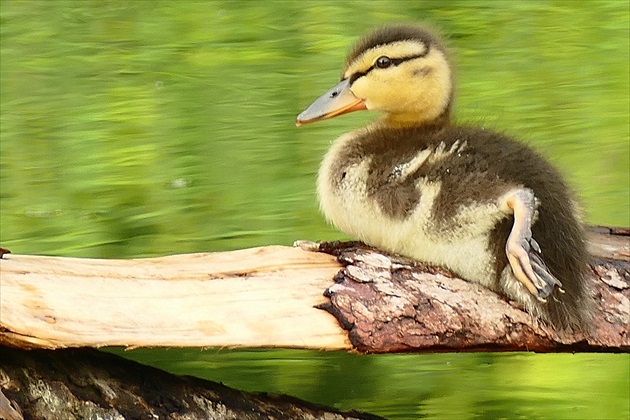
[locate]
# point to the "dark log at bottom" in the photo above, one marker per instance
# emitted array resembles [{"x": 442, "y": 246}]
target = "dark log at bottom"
[{"x": 86, "y": 383}]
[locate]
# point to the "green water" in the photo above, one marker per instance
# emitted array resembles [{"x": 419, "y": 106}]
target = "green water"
[{"x": 144, "y": 128}]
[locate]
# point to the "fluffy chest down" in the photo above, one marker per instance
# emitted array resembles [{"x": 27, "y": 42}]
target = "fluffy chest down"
[{"x": 393, "y": 203}]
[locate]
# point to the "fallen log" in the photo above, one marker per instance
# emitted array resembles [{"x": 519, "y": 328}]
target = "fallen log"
[{"x": 269, "y": 297}]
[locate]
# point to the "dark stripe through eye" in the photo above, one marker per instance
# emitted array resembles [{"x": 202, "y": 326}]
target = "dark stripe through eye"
[{"x": 384, "y": 62}]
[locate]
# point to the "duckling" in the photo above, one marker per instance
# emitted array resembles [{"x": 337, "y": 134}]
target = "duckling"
[{"x": 477, "y": 202}]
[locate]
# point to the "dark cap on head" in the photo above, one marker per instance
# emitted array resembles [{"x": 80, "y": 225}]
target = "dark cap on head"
[{"x": 389, "y": 34}]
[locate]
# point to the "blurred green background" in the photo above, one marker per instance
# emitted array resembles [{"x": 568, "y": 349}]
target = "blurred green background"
[{"x": 146, "y": 128}]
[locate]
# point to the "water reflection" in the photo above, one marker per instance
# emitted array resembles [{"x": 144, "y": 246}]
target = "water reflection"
[{"x": 486, "y": 385}]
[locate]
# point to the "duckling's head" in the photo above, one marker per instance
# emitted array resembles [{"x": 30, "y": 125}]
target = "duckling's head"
[{"x": 400, "y": 70}]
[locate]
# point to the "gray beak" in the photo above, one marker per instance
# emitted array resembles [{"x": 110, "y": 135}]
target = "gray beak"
[{"x": 337, "y": 101}]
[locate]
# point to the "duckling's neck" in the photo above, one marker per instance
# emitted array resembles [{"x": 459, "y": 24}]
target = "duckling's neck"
[{"x": 399, "y": 120}]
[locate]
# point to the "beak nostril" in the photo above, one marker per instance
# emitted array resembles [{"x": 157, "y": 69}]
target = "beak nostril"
[{"x": 334, "y": 94}]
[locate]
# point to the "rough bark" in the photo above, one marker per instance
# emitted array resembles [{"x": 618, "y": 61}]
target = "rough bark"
[
  {"x": 391, "y": 304},
  {"x": 86, "y": 383}
]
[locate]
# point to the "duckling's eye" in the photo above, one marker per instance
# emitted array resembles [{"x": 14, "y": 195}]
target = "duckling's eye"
[{"x": 383, "y": 62}]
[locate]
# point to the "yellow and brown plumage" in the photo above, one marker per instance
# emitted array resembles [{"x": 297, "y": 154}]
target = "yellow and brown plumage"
[{"x": 474, "y": 201}]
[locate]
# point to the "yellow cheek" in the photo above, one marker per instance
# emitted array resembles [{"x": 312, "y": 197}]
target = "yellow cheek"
[
  {"x": 385, "y": 91},
  {"x": 359, "y": 88}
]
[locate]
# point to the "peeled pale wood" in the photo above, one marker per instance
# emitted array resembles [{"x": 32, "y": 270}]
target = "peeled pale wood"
[{"x": 261, "y": 297}]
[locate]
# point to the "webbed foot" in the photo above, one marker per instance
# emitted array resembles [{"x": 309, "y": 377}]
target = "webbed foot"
[{"x": 523, "y": 252}]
